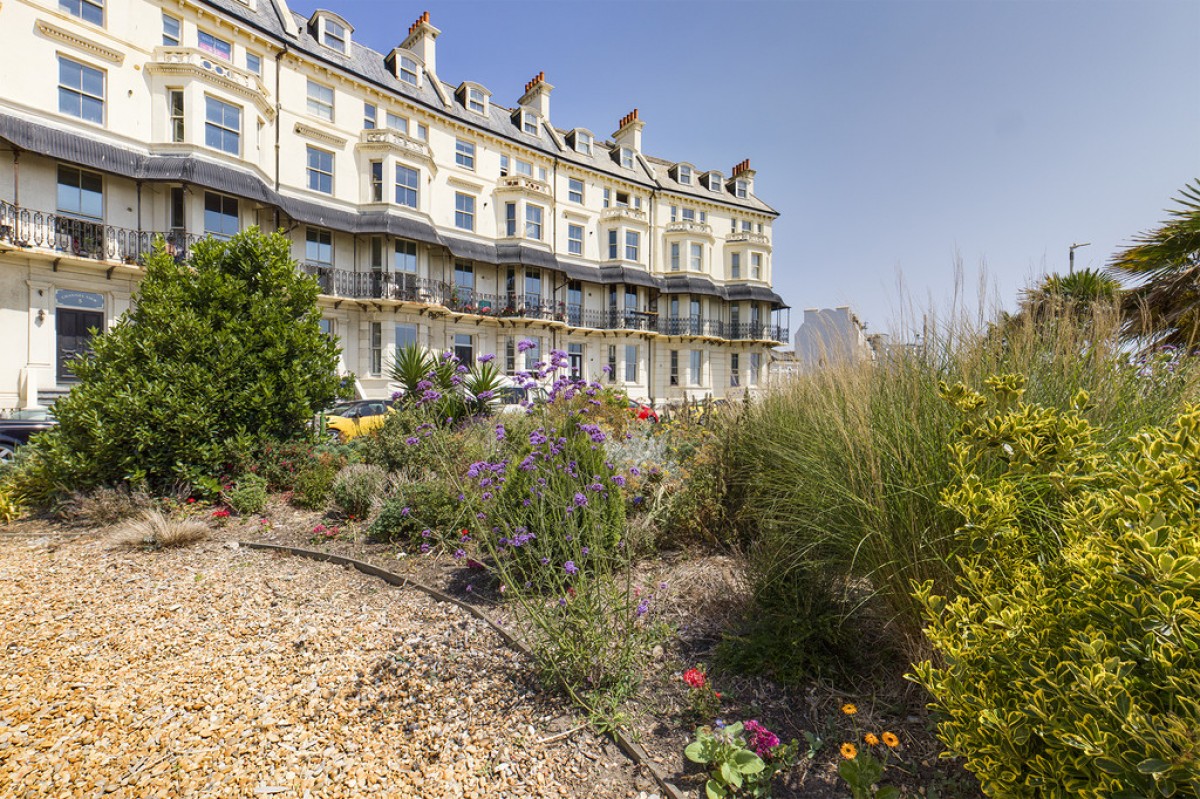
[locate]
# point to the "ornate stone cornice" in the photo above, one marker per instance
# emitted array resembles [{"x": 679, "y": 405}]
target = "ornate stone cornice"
[
  {"x": 79, "y": 42},
  {"x": 312, "y": 132}
]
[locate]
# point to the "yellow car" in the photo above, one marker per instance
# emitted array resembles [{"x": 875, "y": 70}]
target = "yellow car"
[{"x": 349, "y": 420}]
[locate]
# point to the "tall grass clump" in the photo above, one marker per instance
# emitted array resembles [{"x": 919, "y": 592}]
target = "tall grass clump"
[{"x": 837, "y": 475}]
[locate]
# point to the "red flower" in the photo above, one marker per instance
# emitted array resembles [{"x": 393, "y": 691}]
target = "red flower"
[
  {"x": 191, "y": 500},
  {"x": 695, "y": 678}
]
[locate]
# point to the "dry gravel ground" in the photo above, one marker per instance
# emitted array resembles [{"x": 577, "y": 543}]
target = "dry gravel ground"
[{"x": 217, "y": 671}]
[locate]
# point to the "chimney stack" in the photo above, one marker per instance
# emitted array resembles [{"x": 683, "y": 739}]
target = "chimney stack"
[
  {"x": 629, "y": 132},
  {"x": 537, "y": 96},
  {"x": 421, "y": 41},
  {"x": 743, "y": 172}
]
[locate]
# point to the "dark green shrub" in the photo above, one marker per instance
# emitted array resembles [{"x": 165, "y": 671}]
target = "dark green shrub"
[
  {"x": 1068, "y": 662},
  {"x": 358, "y": 488},
  {"x": 216, "y": 355},
  {"x": 247, "y": 496},
  {"x": 415, "y": 508}
]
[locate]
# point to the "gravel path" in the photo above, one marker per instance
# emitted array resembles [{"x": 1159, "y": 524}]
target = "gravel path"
[{"x": 217, "y": 671}]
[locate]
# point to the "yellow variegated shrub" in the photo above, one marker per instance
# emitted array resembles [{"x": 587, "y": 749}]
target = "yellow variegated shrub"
[{"x": 1070, "y": 661}]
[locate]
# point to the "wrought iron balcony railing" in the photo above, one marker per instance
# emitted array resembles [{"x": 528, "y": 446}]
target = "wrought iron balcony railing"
[{"x": 85, "y": 238}]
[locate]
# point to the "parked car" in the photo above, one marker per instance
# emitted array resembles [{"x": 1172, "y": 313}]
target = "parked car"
[
  {"x": 348, "y": 420},
  {"x": 517, "y": 399},
  {"x": 16, "y": 429},
  {"x": 643, "y": 411}
]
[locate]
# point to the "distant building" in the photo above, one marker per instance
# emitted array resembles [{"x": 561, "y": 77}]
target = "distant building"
[{"x": 834, "y": 335}]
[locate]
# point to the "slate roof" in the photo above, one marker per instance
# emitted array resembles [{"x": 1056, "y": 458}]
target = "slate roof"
[{"x": 369, "y": 65}]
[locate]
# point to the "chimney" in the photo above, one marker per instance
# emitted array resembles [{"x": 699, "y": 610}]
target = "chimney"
[
  {"x": 629, "y": 132},
  {"x": 743, "y": 171},
  {"x": 537, "y": 96},
  {"x": 420, "y": 40}
]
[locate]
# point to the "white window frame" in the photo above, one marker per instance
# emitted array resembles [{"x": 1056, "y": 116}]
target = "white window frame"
[
  {"x": 695, "y": 257},
  {"x": 735, "y": 265},
  {"x": 510, "y": 219},
  {"x": 222, "y": 125},
  {"x": 172, "y": 39},
  {"x": 254, "y": 63},
  {"x": 80, "y": 92},
  {"x": 407, "y": 66},
  {"x": 685, "y": 175},
  {"x": 80, "y": 9},
  {"x": 714, "y": 182},
  {"x": 318, "y": 246},
  {"x": 741, "y": 189},
  {"x": 575, "y": 243},
  {"x": 313, "y": 174},
  {"x": 397, "y": 122},
  {"x": 370, "y": 116},
  {"x": 529, "y": 120},
  {"x": 696, "y": 367},
  {"x": 535, "y": 216},
  {"x": 675, "y": 256},
  {"x": 476, "y": 100},
  {"x": 464, "y": 154},
  {"x": 236, "y": 216},
  {"x": 320, "y": 100},
  {"x": 625, "y": 154},
  {"x": 583, "y": 142},
  {"x": 461, "y": 213},
  {"x": 176, "y": 114},
  {"x": 412, "y": 191},
  {"x": 575, "y": 190},
  {"x": 329, "y": 28},
  {"x": 633, "y": 245}
]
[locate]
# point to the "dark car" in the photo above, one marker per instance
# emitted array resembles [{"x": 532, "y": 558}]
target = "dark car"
[{"x": 16, "y": 429}]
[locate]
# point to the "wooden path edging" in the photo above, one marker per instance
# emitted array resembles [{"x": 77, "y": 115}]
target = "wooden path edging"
[{"x": 632, "y": 749}]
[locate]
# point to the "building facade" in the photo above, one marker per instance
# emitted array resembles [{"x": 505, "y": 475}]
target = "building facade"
[
  {"x": 830, "y": 336},
  {"x": 427, "y": 211}
]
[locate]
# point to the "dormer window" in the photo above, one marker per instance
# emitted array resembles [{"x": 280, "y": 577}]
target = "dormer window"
[
  {"x": 334, "y": 36},
  {"x": 408, "y": 70},
  {"x": 331, "y": 31},
  {"x": 583, "y": 142},
  {"x": 714, "y": 181},
  {"x": 685, "y": 175},
  {"x": 741, "y": 188},
  {"x": 476, "y": 101},
  {"x": 529, "y": 123},
  {"x": 625, "y": 155}
]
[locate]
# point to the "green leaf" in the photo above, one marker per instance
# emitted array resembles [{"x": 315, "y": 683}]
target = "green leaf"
[
  {"x": 715, "y": 790},
  {"x": 1152, "y": 765},
  {"x": 747, "y": 762},
  {"x": 888, "y": 792},
  {"x": 731, "y": 775},
  {"x": 695, "y": 752}
]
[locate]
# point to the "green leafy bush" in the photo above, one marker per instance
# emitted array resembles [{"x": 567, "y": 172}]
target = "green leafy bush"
[
  {"x": 1069, "y": 661},
  {"x": 358, "y": 488},
  {"x": 834, "y": 479},
  {"x": 216, "y": 355},
  {"x": 312, "y": 485},
  {"x": 247, "y": 496},
  {"x": 417, "y": 507}
]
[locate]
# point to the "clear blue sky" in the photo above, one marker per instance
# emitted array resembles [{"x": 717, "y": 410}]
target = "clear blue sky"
[{"x": 892, "y": 136}]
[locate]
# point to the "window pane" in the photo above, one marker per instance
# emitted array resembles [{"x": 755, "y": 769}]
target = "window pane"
[{"x": 406, "y": 186}]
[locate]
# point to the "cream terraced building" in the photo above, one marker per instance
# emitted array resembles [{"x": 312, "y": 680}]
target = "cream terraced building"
[{"x": 427, "y": 211}]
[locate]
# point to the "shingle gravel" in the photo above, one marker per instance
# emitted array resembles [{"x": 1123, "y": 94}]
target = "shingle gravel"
[{"x": 216, "y": 671}]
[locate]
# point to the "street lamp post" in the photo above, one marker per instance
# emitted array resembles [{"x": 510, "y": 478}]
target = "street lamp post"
[{"x": 1071, "y": 253}]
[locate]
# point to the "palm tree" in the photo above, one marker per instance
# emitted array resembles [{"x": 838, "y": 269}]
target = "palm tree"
[
  {"x": 1164, "y": 307},
  {"x": 1079, "y": 291}
]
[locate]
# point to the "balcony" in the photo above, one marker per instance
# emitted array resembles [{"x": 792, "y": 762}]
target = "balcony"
[
  {"x": 623, "y": 214},
  {"x": 755, "y": 332},
  {"x": 82, "y": 238},
  {"x": 688, "y": 226},
  {"x": 746, "y": 237},
  {"x": 390, "y": 139},
  {"x": 522, "y": 183}
]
